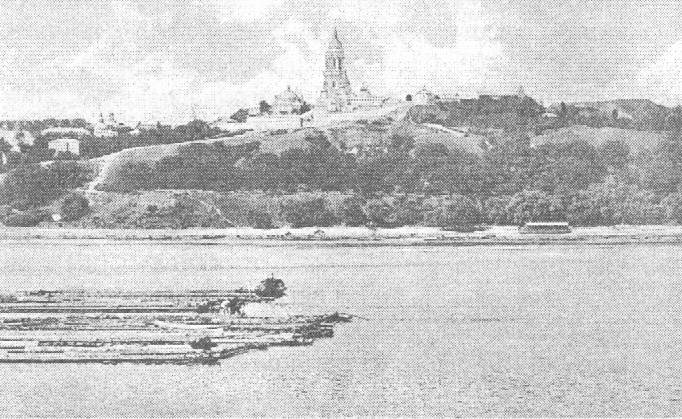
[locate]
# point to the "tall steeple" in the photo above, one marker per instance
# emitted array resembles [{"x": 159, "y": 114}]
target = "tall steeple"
[{"x": 336, "y": 89}]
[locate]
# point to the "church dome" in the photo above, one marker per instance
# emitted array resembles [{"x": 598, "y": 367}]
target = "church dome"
[{"x": 288, "y": 95}]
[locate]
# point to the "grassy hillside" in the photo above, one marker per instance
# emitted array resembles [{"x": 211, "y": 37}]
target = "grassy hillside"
[
  {"x": 177, "y": 209},
  {"x": 636, "y": 140},
  {"x": 347, "y": 135},
  {"x": 642, "y": 111}
]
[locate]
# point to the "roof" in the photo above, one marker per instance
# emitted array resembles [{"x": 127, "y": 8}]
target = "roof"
[
  {"x": 425, "y": 91},
  {"x": 335, "y": 43},
  {"x": 65, "y": 130},
  {"x": 64, "y": 140},
  {"x": 288, "y": 95}
]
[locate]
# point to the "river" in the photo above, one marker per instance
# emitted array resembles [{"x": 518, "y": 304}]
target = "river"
[{"x": 484, "y": 331}]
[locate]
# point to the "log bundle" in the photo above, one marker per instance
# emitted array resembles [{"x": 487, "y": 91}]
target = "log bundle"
[{"x": 183, "y": 327}]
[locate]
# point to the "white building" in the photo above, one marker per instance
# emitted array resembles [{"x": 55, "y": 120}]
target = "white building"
[
  {"x": 427, "y": 97},
  {"x": 287, "y": 102},
  {"x": 106, "y": 129},
  {"x": 424, "y": 97},
  {"x": 365, "y": 99},
  {"x": 65, "y": 145}
]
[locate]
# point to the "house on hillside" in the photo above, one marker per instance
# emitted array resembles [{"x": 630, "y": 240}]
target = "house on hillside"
[{"x": 65, "y": 145}]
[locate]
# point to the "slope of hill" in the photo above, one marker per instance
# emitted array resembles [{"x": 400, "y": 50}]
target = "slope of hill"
[
  {"x": 636, "y": 140},
  {"x": 640, "y": 114},
  {"x": 348, "y": 135},
  {"x": 638, "y": 109}
]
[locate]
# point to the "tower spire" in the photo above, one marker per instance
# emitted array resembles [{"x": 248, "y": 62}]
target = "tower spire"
[{"x": 336, "y": 89}]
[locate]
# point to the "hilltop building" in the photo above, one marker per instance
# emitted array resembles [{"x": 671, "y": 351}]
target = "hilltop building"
[
  {"x": 287, "y": 103},
  {"x": 424, "y": 97},
  {"x": 427, "y": 97},
  {"x": 109, "y": 128},
  {"x": 337, "y": 94}
]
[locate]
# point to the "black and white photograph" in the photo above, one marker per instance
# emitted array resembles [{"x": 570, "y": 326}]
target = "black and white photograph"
[{"x": 340, "y": 208}]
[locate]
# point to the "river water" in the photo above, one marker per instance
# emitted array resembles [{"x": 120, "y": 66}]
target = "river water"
[{"x": 485, "y": 331}]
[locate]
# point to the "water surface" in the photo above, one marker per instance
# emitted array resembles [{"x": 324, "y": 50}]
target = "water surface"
[{"x": 524, "y": 331}]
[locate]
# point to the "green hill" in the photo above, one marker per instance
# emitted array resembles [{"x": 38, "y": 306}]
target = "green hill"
[
  {"x": 636, "y": 140},
  {"x": 643, "y": 113}
]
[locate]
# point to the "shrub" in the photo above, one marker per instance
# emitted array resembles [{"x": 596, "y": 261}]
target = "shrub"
[
  {"x": 458, "y": 213},
  {"x": 307, "y": 212},
  {"x": 259, "y": 219},
  {"x": 408, "y": 211},
  {"x": 534, "y": 206},
  {"x": 74, "y": 206},
  {"x": 673, "y": 208},
  {"x": 130, "y": 177},
  {"x": 351, "y": 212},
  {"x": 495, "y": 209},
  {"x": 31, "y": 185},
  {"x": 271, "y": 287},
  {"x": 380, "y": 212},
  {"x": 26, "y": 219}
]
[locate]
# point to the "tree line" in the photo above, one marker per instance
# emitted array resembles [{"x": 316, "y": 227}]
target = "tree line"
[{"x": 510, "y": 183}]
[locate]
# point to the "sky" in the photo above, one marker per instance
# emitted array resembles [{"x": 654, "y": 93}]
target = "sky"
[{"x": 171, "y": 60}]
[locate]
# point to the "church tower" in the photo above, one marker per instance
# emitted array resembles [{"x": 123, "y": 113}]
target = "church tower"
[{"x": 336, "y": 90}]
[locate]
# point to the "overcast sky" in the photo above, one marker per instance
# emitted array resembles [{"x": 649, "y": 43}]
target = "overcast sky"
[{"x": 165, "y": 59}]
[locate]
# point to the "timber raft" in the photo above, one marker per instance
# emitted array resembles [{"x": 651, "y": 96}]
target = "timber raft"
[{"x": 156, "y": 327}]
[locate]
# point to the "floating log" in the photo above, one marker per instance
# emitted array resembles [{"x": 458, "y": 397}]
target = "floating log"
[{"x": 180, "y": 327}]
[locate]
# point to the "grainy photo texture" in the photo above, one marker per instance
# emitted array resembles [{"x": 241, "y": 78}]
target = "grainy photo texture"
[{"x": 340, "y": 208}]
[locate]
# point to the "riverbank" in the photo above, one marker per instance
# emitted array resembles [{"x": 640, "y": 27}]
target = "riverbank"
[{"x": 507, "y": 235}]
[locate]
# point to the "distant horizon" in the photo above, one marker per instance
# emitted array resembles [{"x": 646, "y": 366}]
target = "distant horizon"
[{"x": 167, "y": 60}]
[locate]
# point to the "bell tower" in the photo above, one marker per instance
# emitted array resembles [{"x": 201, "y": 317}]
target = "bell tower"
[{"x": 336, "y": 90}]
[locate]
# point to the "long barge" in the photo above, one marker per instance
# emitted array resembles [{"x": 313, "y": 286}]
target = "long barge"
[{"x": 178, "y": 327}]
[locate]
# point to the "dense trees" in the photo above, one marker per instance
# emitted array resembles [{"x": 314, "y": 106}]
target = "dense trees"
[
  {"x": 458, "y": 213},
  {"x": 307, "y": 212},
  {"x": 30, "y": 186},
  {"x": 74, "y": 206},
  {"x": 512, "y": 183},
  {"x": 399, "y": 183}
]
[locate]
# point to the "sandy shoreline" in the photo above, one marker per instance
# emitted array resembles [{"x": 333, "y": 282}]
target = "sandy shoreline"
[{"x": 358, "y": 235}]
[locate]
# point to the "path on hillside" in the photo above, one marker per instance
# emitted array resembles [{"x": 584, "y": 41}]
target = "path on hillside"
[
  {"x": 105, "y": 162},
  {"x": 453, "y": 131}
]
